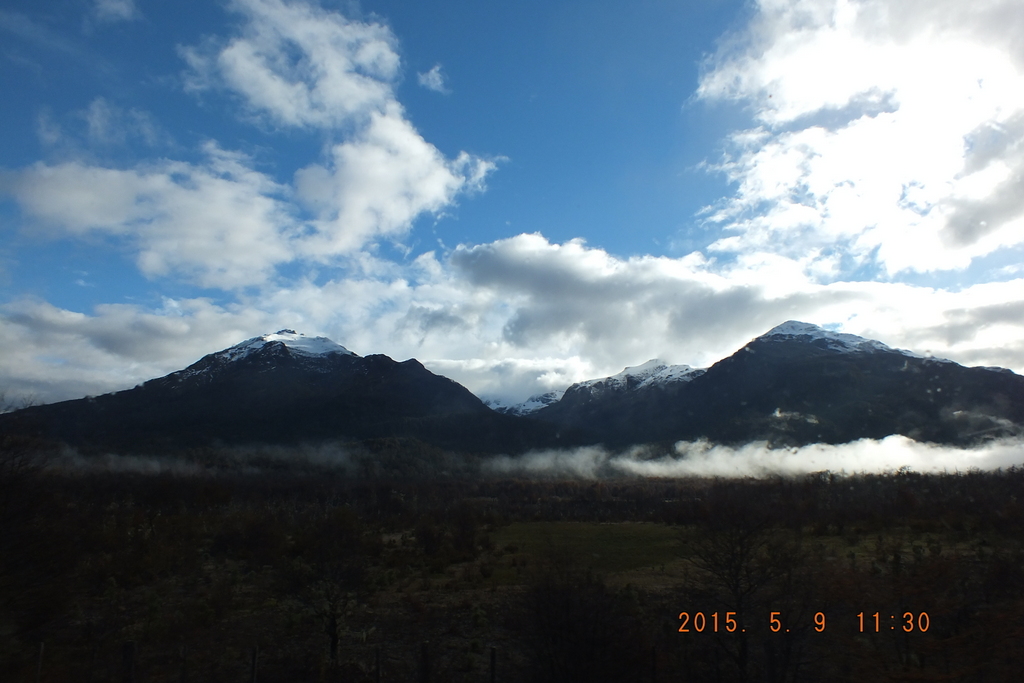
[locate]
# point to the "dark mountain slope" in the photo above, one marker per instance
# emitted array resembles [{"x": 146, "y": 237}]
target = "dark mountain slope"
[
  {"x": 795, "y": 385},
  {"x": 800, "y": 384},
  {"x": 271, "y": 390}
]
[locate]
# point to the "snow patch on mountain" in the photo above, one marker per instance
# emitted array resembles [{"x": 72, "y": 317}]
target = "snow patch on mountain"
[
  {"x": 673, "y": 373},
  {"x": 653, "y": 372},
  {"x": 295, "y": 341},
  {"x": 836, "y": 341},
  {"x": 530, "y": 405}
]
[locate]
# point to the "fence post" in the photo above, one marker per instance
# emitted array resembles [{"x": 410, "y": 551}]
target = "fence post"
[
  {"x": 494, "y": 664},
  {"x": 424, "y": 663},
  {"x": 184, "y": 663},
  {"x": 376, "y": 664},
  {"x": 128, "y": 662},
  {"x": 255, "y": 657},
  {"x": 39, "y": 663}
]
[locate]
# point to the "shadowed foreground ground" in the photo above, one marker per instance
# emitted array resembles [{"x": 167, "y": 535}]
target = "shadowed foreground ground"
[{"x": 328, "y": 575}]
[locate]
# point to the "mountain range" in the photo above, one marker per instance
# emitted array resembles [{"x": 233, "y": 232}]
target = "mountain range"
[
  {"x": 798, "y": 384},
  {"x": 794, "y": 385},
  {"x": 283, "y": 388}
]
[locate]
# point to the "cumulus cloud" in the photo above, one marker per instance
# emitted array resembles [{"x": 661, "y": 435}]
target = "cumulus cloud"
[
  {"x": 570, "y": 300},
  {"x": 511, "y": 318},
  {"x": 886, "y": 134},
  {"x": 221, "y": 223},
  {"x": 54, "y": 354},
  {"x": 434, "y": 80},
  {"x": 378, "y": 182},
  {"x": 703, "y": 459},
  {"x": 300, "y": 64}
]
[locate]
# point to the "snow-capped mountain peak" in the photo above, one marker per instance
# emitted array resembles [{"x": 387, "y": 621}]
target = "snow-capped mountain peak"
[
  {"x": 654, "y": 371},
  {"x": 837, "y": 341},
  {"x": 638, "y": 373},
  {"x": 527, "y": 407},
  {"x": 311, "y": 350},
  {"x": 296, "y": 342}
]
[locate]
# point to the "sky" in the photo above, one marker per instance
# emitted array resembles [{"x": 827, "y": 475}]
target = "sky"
[{"x": 518, "y": 194}]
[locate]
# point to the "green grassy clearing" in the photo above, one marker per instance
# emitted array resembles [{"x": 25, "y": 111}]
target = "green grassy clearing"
[{"x": 605, "y": 548}]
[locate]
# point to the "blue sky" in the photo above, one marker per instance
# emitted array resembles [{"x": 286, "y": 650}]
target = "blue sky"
[{"x": 521, "y": 195}]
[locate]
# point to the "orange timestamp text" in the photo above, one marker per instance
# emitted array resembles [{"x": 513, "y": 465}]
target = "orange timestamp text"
[{"x": 727, "y": 622}]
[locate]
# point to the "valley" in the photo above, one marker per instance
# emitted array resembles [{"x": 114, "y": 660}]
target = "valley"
[{"x": 331, "y": 575}]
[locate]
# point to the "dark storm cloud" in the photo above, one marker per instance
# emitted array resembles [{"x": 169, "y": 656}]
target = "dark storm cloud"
[
  {"x": 570, "y": 289},
  {"x": 973, "y": 220},
  {"x": 965, "y": 324},
  {"x": 991, "y": 144},
  {"x": 427, "y": 320}
]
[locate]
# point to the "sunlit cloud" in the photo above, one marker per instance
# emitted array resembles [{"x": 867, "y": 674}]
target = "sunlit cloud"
[
  {"x": 517, "y": 317},
  {"x": 299, "y": 64},
  {"x": 220, "y": 223},
  {"x": 51, "y": 354},
  {"x": 886, "y": 135},
  {"x": 884, "y": 139},
  {"x": 378, "y": 182},
  {"x": 704, "y": 459}
]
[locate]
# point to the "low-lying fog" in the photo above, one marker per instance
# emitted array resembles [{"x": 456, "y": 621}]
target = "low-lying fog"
[
  {"x": 702, "y": 458},
  {"x": 687, "y": 459}
]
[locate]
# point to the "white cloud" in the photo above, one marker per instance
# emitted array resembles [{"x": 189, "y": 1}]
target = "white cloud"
[
  {"x": 378, "y": 182},
  {"x": 704, "y": 459},
  {"x": 888, "y": 133},
  {"x": 513, "y": 378},
  {"x": 221, "y": 224},
  {"x": 573, "y": 301},
  {"x": 434, "y": 80},
  {"x": 864, "y": 455},
  {"x": 512, "y": 318},
  {"x": 885, "y": 133},
  {"x": 55, "y": 354},
  {"x": 301, "y": 65},
  {"x": 115, "y": 10}
]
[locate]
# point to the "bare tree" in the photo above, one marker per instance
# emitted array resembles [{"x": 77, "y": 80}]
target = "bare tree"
[
  {"x": 10, "y": 404},
  {"x": 746, "y": 566}
]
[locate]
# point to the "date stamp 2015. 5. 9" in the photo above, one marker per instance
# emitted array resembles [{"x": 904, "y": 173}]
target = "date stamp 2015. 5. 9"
[{"x": 864, "y": 622}]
